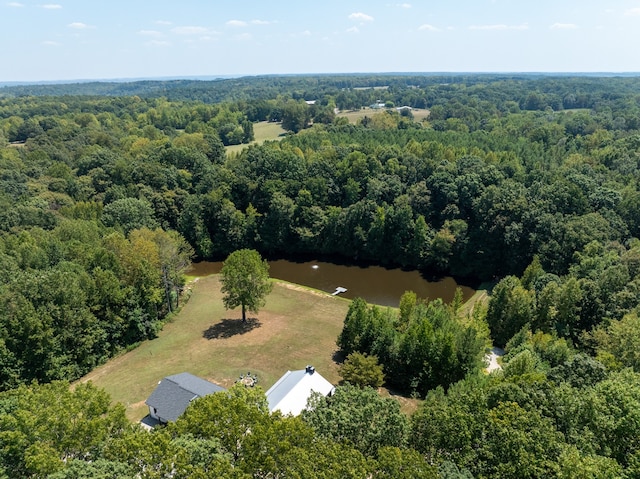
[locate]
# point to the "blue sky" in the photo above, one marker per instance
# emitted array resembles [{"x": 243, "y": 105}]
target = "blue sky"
[{"x": 96, "y": 39}]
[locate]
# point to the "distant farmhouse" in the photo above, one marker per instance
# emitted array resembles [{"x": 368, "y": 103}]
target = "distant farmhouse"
[
  {"x": 290, "y": 393},
  {"x": 174, "y": 394}
]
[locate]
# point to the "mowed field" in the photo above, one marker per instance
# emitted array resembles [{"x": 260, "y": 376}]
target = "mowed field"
[
  {"x": 263, "y": 131},
  {"x": 267, "y": 130},
  {"x": 355, "y": 115},
  {"x": 297, "y": 327}
]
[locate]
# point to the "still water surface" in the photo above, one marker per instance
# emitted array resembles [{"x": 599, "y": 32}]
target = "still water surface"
[{"x": 375, "y": 284}]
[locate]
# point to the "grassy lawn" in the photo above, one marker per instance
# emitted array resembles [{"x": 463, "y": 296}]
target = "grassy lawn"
[
  {"x": 355, "y": 115},
  {"x": 264, "y": 130},
  {"x": 297, "y": 327},
  {"x": 481, "y": 296}
]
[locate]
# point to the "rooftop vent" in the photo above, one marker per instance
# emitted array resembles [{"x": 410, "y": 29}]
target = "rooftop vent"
[{"x": 310, "y": 370}]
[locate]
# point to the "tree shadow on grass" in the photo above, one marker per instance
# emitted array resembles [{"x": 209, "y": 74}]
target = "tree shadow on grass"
[
  {"x": 227, "y": 328},
  {"x": 338, "y": 356}
]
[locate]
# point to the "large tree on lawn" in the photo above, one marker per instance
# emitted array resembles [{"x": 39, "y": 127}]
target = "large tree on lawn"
[{"x": 245, "y": 281}]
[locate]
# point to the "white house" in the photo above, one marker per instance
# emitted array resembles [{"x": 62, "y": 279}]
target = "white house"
[{"x": 290, "y": 393}]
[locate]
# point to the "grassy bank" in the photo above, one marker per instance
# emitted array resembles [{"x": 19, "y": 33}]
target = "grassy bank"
[{"x": 297, "y": 327}]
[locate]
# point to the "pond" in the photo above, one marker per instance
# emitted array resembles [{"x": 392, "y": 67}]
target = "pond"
[{"x": 375, "y": 284}]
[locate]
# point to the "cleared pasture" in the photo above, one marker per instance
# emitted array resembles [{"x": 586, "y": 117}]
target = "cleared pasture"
[
  {"x": 297, "y": 327},
  {"x": 263, "y": 131},
  {"x": 355, "y": 115}
]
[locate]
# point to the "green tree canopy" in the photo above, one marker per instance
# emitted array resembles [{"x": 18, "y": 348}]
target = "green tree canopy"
[
  {"x": 358, "y": 417},
  {"x": 245, "y": 281},
  {"x": 362, "y": 370}
]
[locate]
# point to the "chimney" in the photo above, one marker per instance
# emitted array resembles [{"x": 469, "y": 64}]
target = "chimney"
[{"x": 310, "y": 370}]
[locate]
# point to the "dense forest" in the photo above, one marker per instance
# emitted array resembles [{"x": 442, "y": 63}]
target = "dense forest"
[{"x": 528, "y": 182}]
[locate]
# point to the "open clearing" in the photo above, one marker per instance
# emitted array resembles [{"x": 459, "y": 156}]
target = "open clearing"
[
  {"x": 263, "y": 131},
  {"x": 268, "y": 130},
  {"x": 355, "y": 115},
  {"x": 296, "y": 327}
]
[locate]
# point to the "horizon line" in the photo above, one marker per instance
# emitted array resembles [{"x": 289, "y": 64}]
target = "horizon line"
[{"x": 9, "y": 83}]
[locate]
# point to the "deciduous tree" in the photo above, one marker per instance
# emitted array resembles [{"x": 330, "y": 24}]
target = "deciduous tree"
[{"x": 245, "y": 281}]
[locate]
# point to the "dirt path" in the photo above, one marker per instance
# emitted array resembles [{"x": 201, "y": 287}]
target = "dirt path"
[{"x": 492, "y": 359}]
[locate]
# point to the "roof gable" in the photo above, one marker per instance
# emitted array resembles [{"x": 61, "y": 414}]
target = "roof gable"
[
  {"x": 291, "y": 392},
  {"x": 174, "y": 393}
]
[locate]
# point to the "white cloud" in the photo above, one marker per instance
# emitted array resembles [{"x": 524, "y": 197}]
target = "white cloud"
[
  {"x": 157, "y": 43},
  {"x": 79, "y": 26},
  {"x": 236, "y": 23},
  {"x": 163, "y": 22},
  {"x": 633, "y": 12},
  {"x": 50, "y": 43},
  {"x": 428, "y": 27},
  {"x": 361, "y": 16},
  {"x": 353, "y": 30},
  {"x": 261, "y": 22},
  {"x": 404, "y": 5},
  {"x": 501, "y": 26},
  {"x": 51, "y": 6},
  {"x": 150, "y": 33},
  {"x": 563, "y": 26},
  {"x": 305, "y": 33},
  {"x": 243, "y": 37},
  {"x": 190, "y": 30},
  {"x": 15, "y": 5}
]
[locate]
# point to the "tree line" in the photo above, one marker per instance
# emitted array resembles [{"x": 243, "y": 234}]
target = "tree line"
[{"x": 552, "y": 412}]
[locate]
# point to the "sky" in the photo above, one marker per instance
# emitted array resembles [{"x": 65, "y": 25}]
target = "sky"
[{"x": 116, "y": 39}]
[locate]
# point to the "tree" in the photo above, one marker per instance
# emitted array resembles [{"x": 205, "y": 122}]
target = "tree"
[
  {"x": 226, "y": 416},
  {"x": 245, "y": 281},
  {"x": 362, "y": 370},
  {"x": 174, "y": 256},
  {"x": 44, "y": 426},
  {"x": 618, "y": 343},
  {"x": 510, "y": 309},
  {"x": 295, "y": 116},
  {"x": 129, "y": 214},
  {"x": 359, "y": 418}
]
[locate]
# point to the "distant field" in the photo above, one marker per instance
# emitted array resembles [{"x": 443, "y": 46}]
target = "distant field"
[
  {"x": 355, "y": 115},
  {"x": 264, "y": 130},
  {"x": 297, "y": 327}
]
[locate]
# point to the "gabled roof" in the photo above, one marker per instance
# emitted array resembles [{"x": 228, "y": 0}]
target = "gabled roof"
[
  {"x": 291, "y": 392},
  {"x": 174, "y": 394}
]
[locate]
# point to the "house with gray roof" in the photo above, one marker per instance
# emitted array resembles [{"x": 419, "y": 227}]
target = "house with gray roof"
[
  {"x": 174, "y": 394},
  {"x": 290, "y": 393}
]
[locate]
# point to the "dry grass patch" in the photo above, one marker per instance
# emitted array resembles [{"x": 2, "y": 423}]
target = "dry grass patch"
[
  {"x": 356, "y": 115},
  {"x": 295, "y": 328},
  {"x": 263, "y": 131}
]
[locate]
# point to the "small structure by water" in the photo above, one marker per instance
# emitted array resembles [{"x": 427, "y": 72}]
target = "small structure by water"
[{"x": 339, "y": 290}]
